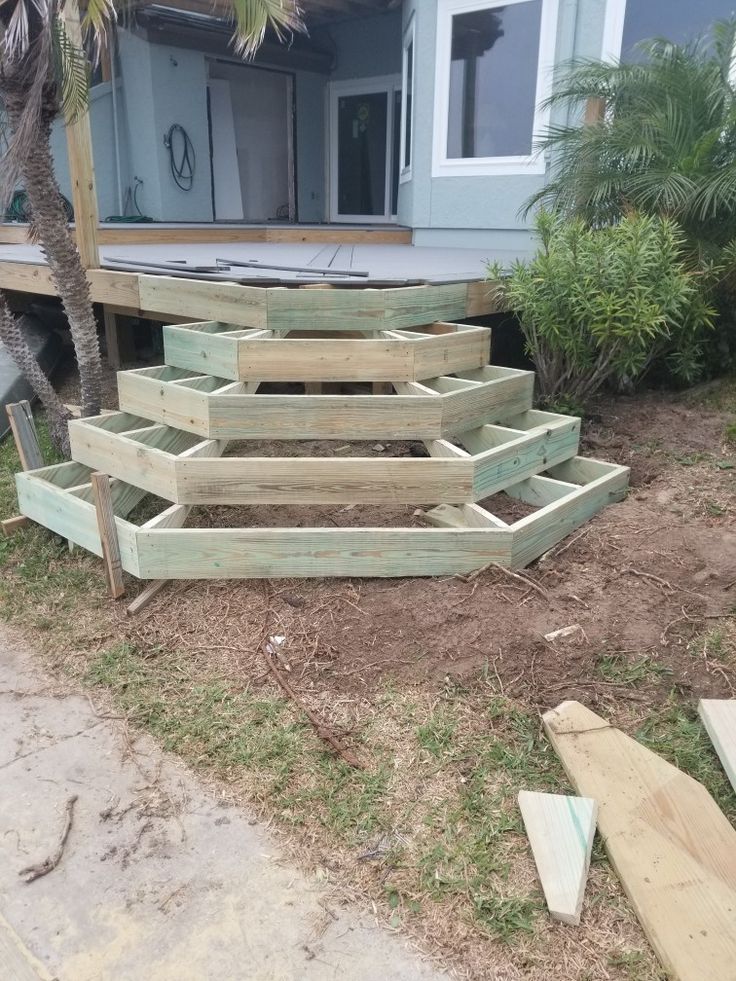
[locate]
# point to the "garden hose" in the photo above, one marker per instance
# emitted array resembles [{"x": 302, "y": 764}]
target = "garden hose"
[
  {"x": 19, "y": 208},
  {"x": 181, "y": 163}
]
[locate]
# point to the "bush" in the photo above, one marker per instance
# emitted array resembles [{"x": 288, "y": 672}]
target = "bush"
[{"x": 602, "y": 305}]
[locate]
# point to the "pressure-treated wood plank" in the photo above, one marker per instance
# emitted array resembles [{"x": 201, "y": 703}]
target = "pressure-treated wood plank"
[
  {"x": 81, "y": 165},
  {"x": 719, "y": 718},
  {"x": 504, "y": 392},
  {"x": 252, "y": 480},
  {"x": 24, "y": 433},
  {"x": 560, "y": 830},
  {"x": 201, "y": 553},
  {"x": 538, "y": 532},
  {"x": 12, "y": 525},
  {"x": 145, "y": 596},
  {"x": 669, "y": 842},
  {"x": 202, "y": 300},
  {"x": 521, "y": 457},
  {"x": 108, "y": 534}
]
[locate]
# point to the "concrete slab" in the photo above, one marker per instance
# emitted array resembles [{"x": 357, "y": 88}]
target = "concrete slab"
[{"x": 158, "y": 879}]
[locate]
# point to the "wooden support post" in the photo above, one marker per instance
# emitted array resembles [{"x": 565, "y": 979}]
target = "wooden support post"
[
  {"x": 81, "y": 166},
  {"x": 108, "y": 534},
  {"x": 24, "y": 433},
  {"x": 112, "y": 340}
]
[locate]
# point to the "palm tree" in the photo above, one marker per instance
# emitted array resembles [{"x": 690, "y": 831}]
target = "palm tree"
[
  {"x": 665, "y": 143},
  {"x": 43, "y": 74}
]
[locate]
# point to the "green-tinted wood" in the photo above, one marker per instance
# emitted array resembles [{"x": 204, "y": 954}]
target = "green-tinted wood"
[
  {"x": 270, "y": 552},
  {"x": 107, "y": 527}
]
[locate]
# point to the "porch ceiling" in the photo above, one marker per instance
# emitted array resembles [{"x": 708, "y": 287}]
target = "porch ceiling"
[{"x": 315, "y": 12}]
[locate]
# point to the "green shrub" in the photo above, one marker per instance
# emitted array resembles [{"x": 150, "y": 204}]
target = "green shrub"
[{"x": 602, "y": 305}]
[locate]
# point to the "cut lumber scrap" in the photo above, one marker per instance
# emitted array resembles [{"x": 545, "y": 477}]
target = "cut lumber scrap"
[
  {"x": 719, "y": 718},
  {"x": 11, "y": 525},
  {"x": 108, "y": 534},
  {"x": 560, "y": 830},
  {"x": 669, "y": 842},
  {"x": 24, "y": 434}
]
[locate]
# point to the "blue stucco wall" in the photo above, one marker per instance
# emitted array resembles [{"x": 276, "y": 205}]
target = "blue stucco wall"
[
  {"x": 478, "y": 211},
  {"x": 161, "y": 85}
]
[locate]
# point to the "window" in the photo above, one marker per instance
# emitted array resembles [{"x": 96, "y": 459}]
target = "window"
[
  {"x": 630, "y": 21},
  {"x": 494, "y": 69},
  {"x": 407, "y": 103}
]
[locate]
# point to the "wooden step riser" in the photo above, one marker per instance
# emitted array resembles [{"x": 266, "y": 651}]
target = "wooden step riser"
[
  {"x": 329, "y": 480},
  {"x": 388, "y": 417},
  {"x": 207, "y": 349},
  {"x": 181, "y": 553}
]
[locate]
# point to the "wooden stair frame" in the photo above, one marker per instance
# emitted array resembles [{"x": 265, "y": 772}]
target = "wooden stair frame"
[{"x": 475, "y": 420}]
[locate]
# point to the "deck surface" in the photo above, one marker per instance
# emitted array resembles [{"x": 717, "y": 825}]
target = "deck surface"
[{"x": 385, "y": 264}]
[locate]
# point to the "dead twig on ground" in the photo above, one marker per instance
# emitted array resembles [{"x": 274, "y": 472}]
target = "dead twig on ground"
[
  {"x": 33, "y": 872},
  {"x": 507, "y": 572},
  {"x": 322, "y": 730}
]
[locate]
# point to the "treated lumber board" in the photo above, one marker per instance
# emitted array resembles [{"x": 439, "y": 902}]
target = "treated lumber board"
[
  {"x": 670, "y": 844},
  {"x": 11, "y": 525},
  {"x": 538, "y": 532},
  {"x": 199, "y": 350},
  {"x": 125, "y": 458},
  {"x": 257, "y": 553},
  {"x": 253, "y": 480},
  {"x": 540, "y": 491},
  {"x": 443, "y": 355},
  {"x": 108, "y": 534},
  {"x": 145, "y": 596},
  {"x": 203, "y": 300},
  {"x": 79, "y": 153},
  {"x": 498, "y": 468},
  {"x": 560, "y": 830},
  {"x": 27, "y": 277},
  {"x": 719, "y": 718},
  {"x": 414, "y": 306},
  {"x": 74, "y": 518},
  {"x": 145, "y": 395},
  {"x": 117, "y": 288},
  {"x": 24, "y": 432},
  {"x": 505, "y": 392}
]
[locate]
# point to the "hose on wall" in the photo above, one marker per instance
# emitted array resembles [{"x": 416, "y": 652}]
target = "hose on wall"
[{"x": 182, "y": 158}]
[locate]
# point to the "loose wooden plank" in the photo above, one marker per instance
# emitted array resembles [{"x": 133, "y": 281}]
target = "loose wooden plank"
[
  {"x": 719, "y": 718},
  {"x": 669, "y": 842},
  {"x": 24, "y": 434},
  {"x": 108, "y": 534},
  {"x": 11, "y": 525},
  {"x": 560, "y": 830}
]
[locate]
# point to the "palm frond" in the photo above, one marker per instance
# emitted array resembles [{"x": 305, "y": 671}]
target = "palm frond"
[
  {"x": 253, "y": 18},
  {"x": 71, "y": 69}
]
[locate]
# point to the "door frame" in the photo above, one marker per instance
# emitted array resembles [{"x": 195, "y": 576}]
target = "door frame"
[
  {"x": 291, "y": 126},
  {"x": 390, "y": 84}
]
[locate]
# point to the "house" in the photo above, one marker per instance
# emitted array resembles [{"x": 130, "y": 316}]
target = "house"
[{"x": 419, "y": 114}]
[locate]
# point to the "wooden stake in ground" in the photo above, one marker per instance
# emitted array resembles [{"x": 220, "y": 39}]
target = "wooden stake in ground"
[
  {"x": 11, "y": 525},
  {"x": 108, "y": 534},
  {"x": 144, "y": 598},
  {"x": 670, "y": 844},
  {"x": 24, "y": 433},
  {"x": 719, "y": 718},
  {"x": 33, "y": 872},
  {"x": 560, "y": 831}
]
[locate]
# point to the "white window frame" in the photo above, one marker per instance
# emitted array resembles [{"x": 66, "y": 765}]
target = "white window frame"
[
  {"x": 409, "y": 40},
  {"x": 532, "y": 163},
  {"x": 362, "y": 86},
  {"x": 613, "y": 30}
]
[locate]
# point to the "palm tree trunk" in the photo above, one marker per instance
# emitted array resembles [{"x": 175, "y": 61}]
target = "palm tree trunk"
[
  {"x": 14, "y": 340},
  {"x": 51, "y": 228}
]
